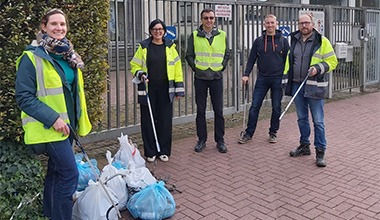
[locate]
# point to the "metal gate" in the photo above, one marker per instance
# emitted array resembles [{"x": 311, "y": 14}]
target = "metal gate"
[
  {"x": 243, "y": 23},
  {"x": 371, "y": 45}
]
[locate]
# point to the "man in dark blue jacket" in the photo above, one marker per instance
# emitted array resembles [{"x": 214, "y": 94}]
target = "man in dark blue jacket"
[{"x": 270, "y": 51}]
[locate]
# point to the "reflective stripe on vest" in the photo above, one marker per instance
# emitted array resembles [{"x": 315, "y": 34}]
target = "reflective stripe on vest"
[
  {"x": 28, "y": 119},
  {"x": 318, "y": 84},
  {"x": 139, "y": 62},
  {"x": 43, "y": 91},
  {"x": 209, "y": 56},
  {"x": 173, "y": 67},
  {"x": 50, "y": 92},
  {"x": 173, "y": 62}
]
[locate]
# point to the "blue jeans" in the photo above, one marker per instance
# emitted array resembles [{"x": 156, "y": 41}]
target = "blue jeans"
[
  {"x": 316, "y": 108},
  {"x": 61, "y": 181},
  {"x": 262, "y": 86}
]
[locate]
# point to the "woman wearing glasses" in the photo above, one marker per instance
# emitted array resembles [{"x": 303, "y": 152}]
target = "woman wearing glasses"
[
  {"x": 157, "y": 68},
  {"x": 49, "y": 92}
]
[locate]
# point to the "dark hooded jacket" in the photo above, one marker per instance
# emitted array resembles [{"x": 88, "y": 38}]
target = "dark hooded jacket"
[{"x": 270, "y": 53}]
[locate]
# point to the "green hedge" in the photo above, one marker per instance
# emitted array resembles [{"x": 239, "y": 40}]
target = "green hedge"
[
  {"x": 21, "y": 179},
  {"x": 88, "y": 32},
  {"x": 21, "y": 174}
]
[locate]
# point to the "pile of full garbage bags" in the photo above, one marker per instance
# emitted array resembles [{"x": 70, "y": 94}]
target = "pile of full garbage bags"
[{"x": 124, "y": 183}]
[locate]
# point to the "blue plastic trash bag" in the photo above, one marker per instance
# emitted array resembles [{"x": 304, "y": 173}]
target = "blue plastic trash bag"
[
  {"x": 119, "y": 165},
  {"x": 86, "y": 173},
  {"x": 154, "y": 202},
  {"x": 78, "y": 157}
]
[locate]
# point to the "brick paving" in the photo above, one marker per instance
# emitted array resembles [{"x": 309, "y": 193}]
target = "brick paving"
[{"x": 259, "y": 180}]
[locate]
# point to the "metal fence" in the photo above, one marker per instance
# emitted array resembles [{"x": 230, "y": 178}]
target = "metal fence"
[{"x": 356, "y": 27}]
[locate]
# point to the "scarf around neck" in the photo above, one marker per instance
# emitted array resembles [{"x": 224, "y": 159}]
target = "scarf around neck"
[{"x": 60, "y": 47}]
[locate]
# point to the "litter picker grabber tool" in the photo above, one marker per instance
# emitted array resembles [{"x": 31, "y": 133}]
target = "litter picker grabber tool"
[
  {"x": 24, "y": 203},
  {"x": 295, "y": 94},
  {"x": 151, "y": 117},
  {"x": 245, "y": 95},
  {"x": 77, "y": 142}
]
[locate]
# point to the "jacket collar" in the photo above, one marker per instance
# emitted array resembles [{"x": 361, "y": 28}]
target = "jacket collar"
[
  {"x": 145, "y": 43},
  {"x": 297, "y": 35},
  {"x": 201, "y": 32},
  {"x": 278, "y": 33},
  {"x": 39, "y": 51}
]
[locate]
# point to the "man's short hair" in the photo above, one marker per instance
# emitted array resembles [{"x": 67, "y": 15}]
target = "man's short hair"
[
  {"x": 270, "y": 16},
  {"x": 309, "y": 15},
  {"x": 207, "y": 10}
]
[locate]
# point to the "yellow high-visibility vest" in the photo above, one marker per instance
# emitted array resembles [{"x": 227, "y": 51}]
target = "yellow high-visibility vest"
[
  {"x": 209, "y": 56},
  {"x": 50, "y": 92}
]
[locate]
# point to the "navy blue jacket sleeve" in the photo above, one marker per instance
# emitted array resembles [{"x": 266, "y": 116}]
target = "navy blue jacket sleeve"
[
  {"x": 26, "y": 90},
  {"x": 251, "y": 59}
]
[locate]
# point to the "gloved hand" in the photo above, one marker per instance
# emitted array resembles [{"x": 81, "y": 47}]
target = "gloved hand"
[
  {"x": 284, "y": 82},
  {"x": 141, "y": 75}
]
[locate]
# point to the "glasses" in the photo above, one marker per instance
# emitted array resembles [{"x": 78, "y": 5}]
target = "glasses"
[
  {"x": 305, "y": 23},
  {"x": 208, "y": 18},
  {"x": 157, "y": 29}
]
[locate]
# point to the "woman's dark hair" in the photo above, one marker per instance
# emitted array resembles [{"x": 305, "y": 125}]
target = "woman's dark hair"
[
  {"x": 157, "y": 21},
  {"x": 51, "y": 12}
]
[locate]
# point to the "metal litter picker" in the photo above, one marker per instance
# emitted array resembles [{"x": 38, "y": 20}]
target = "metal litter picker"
[
  {"x": 151, "y": 117},
  {"x": 295, "y": 94},
  {"x": 245, "y": 95}
]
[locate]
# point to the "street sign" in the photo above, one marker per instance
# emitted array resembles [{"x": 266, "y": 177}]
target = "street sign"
[
  {"x": 171, "y": 33},
  {"x": 223, "y": 11},
  {"x": 285, "y": 30}
]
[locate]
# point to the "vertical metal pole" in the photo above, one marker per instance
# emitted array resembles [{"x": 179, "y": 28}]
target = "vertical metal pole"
[
  {"x": 364, "y": 46},
  {"x": 329, "y": 20}
]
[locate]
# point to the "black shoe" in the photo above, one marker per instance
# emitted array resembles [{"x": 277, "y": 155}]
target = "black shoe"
[
  {"x": 222, "y": 148},
  {"x": 200, "y": 146},
  {"x": 302, "y": 150},
  {"x": 320, "y": 161}
]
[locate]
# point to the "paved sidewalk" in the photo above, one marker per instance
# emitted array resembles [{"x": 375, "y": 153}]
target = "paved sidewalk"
[{"x": 259, "y": 180}]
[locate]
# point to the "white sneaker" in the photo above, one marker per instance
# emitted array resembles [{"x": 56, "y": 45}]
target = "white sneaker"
[
  {"x": 164, "y": 158},
  {"x": 151, "y": 159}
]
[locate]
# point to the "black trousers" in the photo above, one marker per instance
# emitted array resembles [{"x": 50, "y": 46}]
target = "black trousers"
[
  {"x": 162, "y": 110},
  {"x": 215, "y": 87}
]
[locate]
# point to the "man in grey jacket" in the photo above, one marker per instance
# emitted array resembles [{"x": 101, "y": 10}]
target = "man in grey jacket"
[
  {"x": 207, "y": 55},
  {"x": 312, "y": 57}
]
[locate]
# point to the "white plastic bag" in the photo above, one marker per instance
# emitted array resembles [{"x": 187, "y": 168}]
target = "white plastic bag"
[
  {"x": 114, "y": 180},
  {"x": 93, "y": 203},
  {"x": 137, "y": 179},
  {"x": 128, "y": 153}
]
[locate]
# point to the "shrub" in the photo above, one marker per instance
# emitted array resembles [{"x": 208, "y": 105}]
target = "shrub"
[
  {"x": 21, "y": 179},
  {"x": 21, "y": 174},
  {"x": 88, "y": 32}
]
